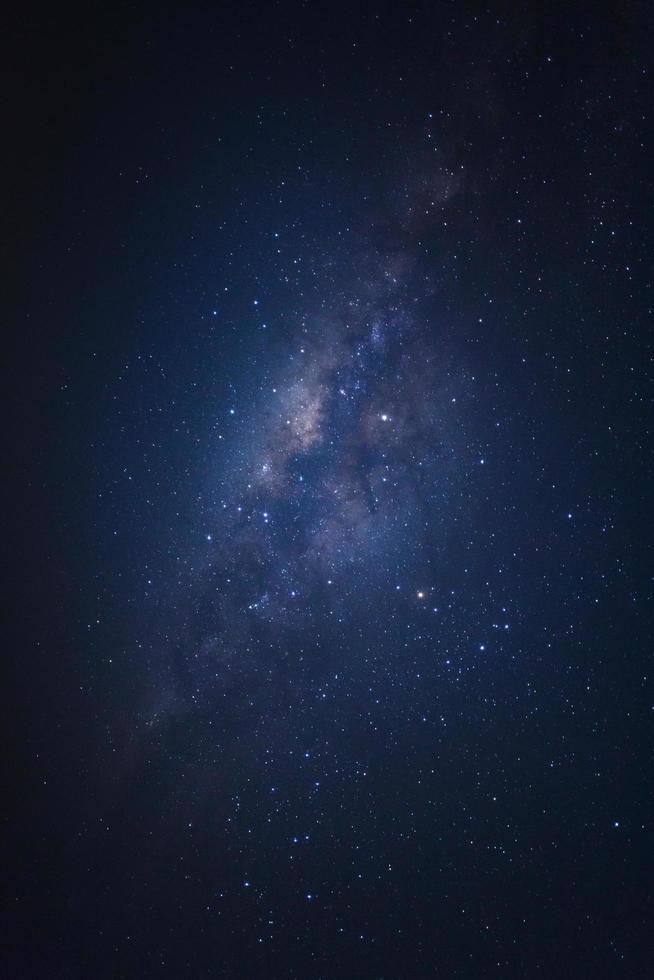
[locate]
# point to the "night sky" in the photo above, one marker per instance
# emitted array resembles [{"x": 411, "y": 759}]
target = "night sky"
[{"x": 329, "y": 545}]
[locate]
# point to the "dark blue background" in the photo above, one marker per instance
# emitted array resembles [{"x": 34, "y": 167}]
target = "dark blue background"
[{"x": 349, "y": 780}]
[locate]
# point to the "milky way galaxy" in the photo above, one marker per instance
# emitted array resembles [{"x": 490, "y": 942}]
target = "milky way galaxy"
[{"x": 346, "y": 469}]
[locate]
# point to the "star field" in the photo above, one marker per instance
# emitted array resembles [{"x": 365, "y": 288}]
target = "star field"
[{"x": 330, "y": 382}]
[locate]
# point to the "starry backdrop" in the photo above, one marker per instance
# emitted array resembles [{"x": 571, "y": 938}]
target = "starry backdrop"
[{"x": 330, "y": 584}]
